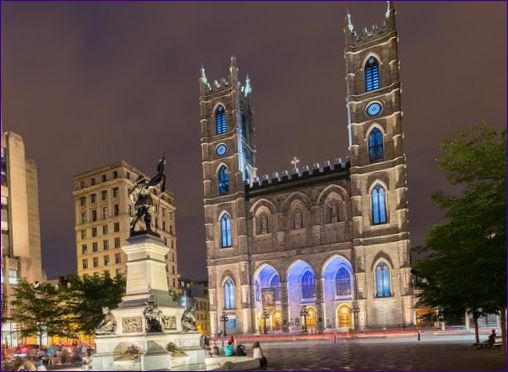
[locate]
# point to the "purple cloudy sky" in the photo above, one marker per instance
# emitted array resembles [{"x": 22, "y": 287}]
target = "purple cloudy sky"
[{"x": 84, "y": 83}]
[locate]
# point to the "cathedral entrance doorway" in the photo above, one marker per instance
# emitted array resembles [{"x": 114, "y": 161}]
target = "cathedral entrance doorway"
[
  {"x": 344, "y": 319},
  {"x": 311, "y": 318},
  {"x": 277, "y": 320}
]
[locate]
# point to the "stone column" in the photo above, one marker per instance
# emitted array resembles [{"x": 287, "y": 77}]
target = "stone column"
[
  {"x": 319, "y": 303},
  {"x": 284, "y": 305}
]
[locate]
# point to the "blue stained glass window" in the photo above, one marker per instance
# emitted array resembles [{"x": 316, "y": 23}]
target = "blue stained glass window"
[
  {"x": 343, "y": 282},
  {"x": 383, "y": 280},
  {"x": 223, "y": 180},
  {"x": 229, "y": 294},
  {"x": 220, "y": 120},
  {"x": 308, "y": 285},
  {"x": 375, "y": 145},
  {"x": 275, "y": 284},
  {"x": 225, "y": 230},
  {"x": 372, "y": 81},
  {"x": 378, "y": 205}
]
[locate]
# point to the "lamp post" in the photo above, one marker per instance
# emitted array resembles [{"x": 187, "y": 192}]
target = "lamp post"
[
  {"x": 266, "y": 315},
  {"x": 355, "y": 310},
  {"x": 304, "y": 313},
  {"x": 224, "y": 319}
]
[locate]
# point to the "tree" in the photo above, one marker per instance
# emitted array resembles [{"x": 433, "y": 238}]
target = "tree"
[
  {"x": 87, "y": 295},
  {"x": 465, "y": 267},
  {"x": 37, "y": 309}
]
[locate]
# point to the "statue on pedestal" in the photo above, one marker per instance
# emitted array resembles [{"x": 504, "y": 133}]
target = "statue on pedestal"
[
  {"x": 108, "y": 324},
  {"x": 141, "y": 196},
  {"x": 189, "y": 319},
  {"x": 153, "y": 317}
]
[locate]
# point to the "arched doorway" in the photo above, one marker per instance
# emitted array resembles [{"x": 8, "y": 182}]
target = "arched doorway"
[
  {"x": 311, "y": 320},
  {"x": 277, "y": 320},
  {"x": 344, "y": 319}
]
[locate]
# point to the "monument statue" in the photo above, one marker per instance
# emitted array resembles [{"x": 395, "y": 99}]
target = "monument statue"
[
  {"x": 108, "y": 324},
  {"x": 141, "y": 196},
  {"x": 153, "y": 317},
  {"x": 189, "y": 319}
]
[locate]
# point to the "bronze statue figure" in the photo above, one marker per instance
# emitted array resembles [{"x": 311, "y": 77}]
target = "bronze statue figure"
[{"x": 141, "y": 196}]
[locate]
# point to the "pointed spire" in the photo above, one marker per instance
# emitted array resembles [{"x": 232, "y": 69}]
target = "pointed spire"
[
  {"x": 248, "y": 88},
  {"x": 349, "y": 23},
  {"x": 233, "y": 71},
  {"x": 202, "y": 74},
  {"x": 233, "y": 61},
  {"x": 390, "y": 10}
]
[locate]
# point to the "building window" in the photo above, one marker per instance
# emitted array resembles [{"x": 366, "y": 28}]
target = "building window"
[
  {"x": 117, "y": 242},
  {"x": 308, "y": 285},
  {"x": 375, "y": 145},
  {"x": 82, "y": 201},
  {"x": 103, "y": 178},
  {"x": 105, "y": 245},
  {"x": 104, "y": 229},
  {"x": 95, "y": 261},
  {"x": 92, "y": 182},
  {"x": 82, "y": 185},
  {"x": 85, "y": 264},
  {"x": 105, "y": 212},
  {"x": 13, "y": 276},
  {"x": 83, "y": 234},
  {"x": 343, "y": 282},
  {"x": 128, "y": 175},
  {"x": 95, "y": 247},
  {"x": 220, "y": 120},
  {"x": 83, "y": 218},
  {"x": 104, "y": 195},
  {"x": 115, "y": 192},
  {"x": 163, "y": 226},
  {"x": 94, "y": 215},
  {"x": 115, "y": 174},
  {"x": 372, "y": 81},
  {"x": 116, "y": 227},
  {"x": 229, "y": 295},
  {"x": 84, "y": 249},
  {"x": 171, "y": 229},
  {"x": 116, "y": 209},
  {"x": 225, "y": 228},
  {"x": 383, "y": 280},
  {"x": 94, "y": 232},
  {"x": 173, "y": 269},
  {"x": 106, "y": 260},
  {"x": 223, "y": 180},
  {"x": 378, "y": 205},
  {"x": 118, "y": 258},
  {"x": 118, "y": 272}
]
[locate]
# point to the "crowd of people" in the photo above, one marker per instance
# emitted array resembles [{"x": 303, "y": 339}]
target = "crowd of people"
[
  {"x": 41, "y": 358},
  {"x": 233, "y": 348}
]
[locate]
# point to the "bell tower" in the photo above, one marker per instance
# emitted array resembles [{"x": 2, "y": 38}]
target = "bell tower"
[
  {"x": 229, "y": 164},
  {"x": 378, "y": 174}
]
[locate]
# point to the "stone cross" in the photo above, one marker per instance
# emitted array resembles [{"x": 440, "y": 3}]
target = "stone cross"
[{"x": 295, "y": 162}]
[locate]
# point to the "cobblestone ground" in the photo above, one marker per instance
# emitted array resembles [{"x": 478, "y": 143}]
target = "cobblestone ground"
[{"x": 432, "y": 353}]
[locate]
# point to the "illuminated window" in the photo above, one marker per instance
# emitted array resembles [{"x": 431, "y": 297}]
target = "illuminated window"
[
  {"x": 229, "y": 294},
  {"x": 375, "y": 145},
  {"x": 223, "y": 180},
  {"x": 383, "y": 280},
  {"x": 378, "y": 205},
  {"x": 343, "y": 282},
  {"x": 13, "y": 276},
  {"x": 220, "y": 120},
  {"x": 372, "y": 81},
  {"x": 308, "y": 285},
  {"x": 225, "y": 229}
]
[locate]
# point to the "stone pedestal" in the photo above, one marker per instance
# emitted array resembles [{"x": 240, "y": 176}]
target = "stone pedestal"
[{"x": 134, "y": 345}]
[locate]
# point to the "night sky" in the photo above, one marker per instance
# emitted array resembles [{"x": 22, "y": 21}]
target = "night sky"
[{"x": 88, "y": 84}]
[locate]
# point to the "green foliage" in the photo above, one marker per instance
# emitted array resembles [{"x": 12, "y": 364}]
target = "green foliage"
[
  {"x": 89, "y": 294},
  {"x": 465, "y": 267},
  {"x": 38, "y": 309}
]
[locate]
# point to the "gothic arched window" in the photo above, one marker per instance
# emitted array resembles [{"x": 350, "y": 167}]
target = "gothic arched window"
[
  {"x": 275, "y": 284},
  {"x": 378, "y": 205},
  {"x": 308, "y": 285},
  {"x": 383, "y": 280},
  {"x": 223, "y": 180},
  {"x": 343, "y": 282},
  {"x": 375, "y": 145},
  {"x": 229, "y": 295},
  {"x": 225, "y": 231},
  {"x": 220, "y": 120},
  {"x": 372, "y": 81}
]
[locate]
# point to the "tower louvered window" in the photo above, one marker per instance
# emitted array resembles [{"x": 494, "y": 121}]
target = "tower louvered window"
[
  {"x": 375, "y": 145},
  {"x": 220, "y": 120},
  {"x": 372, "y": 81}
]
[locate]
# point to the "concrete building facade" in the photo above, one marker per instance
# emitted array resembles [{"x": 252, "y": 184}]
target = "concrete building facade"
[
  {"x": 317, "y": 248},
  {"x": 21, "y": 238},
  {"x": 103, "y": 212}
]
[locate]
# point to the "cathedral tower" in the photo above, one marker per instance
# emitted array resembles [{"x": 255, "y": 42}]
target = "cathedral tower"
[
  {"x": 378, "y": 174},
  {"x": 229, "y": 162}
]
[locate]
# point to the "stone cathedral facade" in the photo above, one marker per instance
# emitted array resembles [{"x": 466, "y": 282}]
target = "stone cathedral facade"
[{"x": 317, "y": 248}]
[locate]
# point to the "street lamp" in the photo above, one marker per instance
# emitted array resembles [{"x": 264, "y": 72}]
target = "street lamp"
[
  {"x": 304, "y": 313},
  {"x": 224, "y": 319},
  {"x": 266, "y": 315},
  {"x": 355, "y": 310}
]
